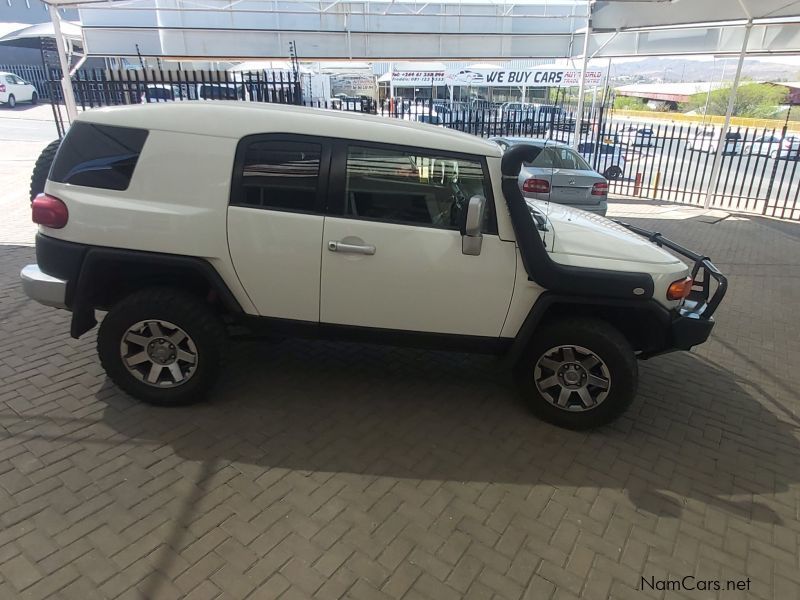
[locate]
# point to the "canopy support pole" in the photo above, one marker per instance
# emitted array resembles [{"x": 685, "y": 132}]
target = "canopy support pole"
[
  {"x": 723, "y": 135},
  {"x": 582, "y": 89},
  {"x": 66, "y": 81}
]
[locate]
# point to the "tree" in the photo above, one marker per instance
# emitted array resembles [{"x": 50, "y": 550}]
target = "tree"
[
  {"x": 758, "y": 100},
  {"x": 630, "y": 103}
]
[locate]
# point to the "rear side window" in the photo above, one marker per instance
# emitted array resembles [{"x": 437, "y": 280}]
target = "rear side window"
[
  {"x": 98, "y": 156},
  {"x": 279, "y": 175}
]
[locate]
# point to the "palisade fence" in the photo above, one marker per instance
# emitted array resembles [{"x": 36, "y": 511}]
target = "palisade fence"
[{"x": 669, "y": 161}]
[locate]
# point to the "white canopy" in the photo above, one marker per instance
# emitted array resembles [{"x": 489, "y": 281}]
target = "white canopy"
[
  {"x": 70, "y": 31},
  {"x": 613, "y": 15}
]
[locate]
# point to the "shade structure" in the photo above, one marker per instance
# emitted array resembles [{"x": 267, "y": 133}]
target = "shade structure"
[{"x": 70, "y": 31}]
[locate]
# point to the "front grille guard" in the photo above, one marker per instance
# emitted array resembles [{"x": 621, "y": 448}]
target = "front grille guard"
[{"x": 706, "y": 300}]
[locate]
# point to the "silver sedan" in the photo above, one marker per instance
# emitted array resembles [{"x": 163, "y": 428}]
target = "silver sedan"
[{"x": 561, "y": 175}]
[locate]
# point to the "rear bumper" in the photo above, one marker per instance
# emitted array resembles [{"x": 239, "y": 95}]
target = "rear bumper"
[{"x": 44, "y": 288}]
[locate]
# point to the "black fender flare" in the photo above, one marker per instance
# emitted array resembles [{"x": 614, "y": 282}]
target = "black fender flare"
[
  {"x": 98, "y": 258},
  {"x": 659, "y": 338}
]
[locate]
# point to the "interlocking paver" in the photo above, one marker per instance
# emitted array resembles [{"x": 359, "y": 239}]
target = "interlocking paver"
[{"x": 338, "y": 470}]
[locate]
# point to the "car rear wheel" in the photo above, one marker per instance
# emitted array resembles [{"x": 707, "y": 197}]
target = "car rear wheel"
[
  {"x": 12, "y": 102},
  {"x": 578, "y": 373},
  {"x": 162, "y": 346},
  {"x": 613, "y": 172}
]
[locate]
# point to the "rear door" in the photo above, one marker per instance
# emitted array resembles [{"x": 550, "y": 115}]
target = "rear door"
[
  {"x": 573, "y": 178},
  {"x": 275, "y": 222}
]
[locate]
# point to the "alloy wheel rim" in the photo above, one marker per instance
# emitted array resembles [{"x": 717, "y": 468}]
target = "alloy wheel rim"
[
  {"x": 572, "y": 378},
  {"x": 158, "y": 353}
]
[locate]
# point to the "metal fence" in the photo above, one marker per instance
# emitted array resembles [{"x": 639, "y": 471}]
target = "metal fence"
[
  {"x": 102, "y": 87},
  {"x": 674, "y": 162}
]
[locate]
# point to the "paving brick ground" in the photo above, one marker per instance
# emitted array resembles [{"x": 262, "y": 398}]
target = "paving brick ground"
[{"x": 334, "y": 470}]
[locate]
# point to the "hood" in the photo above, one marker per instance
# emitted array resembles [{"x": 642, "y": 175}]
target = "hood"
[{"x": 580, "y": 233}]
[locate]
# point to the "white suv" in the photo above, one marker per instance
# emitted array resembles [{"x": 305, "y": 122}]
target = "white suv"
[{"x": 189, "y": 221}]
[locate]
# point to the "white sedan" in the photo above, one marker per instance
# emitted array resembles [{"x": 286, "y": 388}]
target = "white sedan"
[{"x": 14, "y": 89}]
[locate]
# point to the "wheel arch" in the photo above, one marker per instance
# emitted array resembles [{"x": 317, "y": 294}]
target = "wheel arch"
[
  {"x": 645, "y": 325},
  {"x": 107, "y": 275}
]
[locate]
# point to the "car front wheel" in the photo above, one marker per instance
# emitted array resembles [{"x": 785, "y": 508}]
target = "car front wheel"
[
  {"x": 612, "y": 172},
  {"x": 578, "y": 373},
  {"x": 162, "y": 346},
  {"x": 34, "y": 98}
]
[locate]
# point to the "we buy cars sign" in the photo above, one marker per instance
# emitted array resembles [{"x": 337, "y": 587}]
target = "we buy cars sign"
[{"x": 520, "y": 77}]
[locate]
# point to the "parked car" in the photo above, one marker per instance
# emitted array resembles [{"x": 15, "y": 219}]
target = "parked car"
[
  {"x": 611, "y": 161},
  {"x": 14, "y": 89},
  {"x": 561, "y": 175},
  {"x": 349, "y": 227},
  {"x": 221, "y": 91},
  {"x": 773, "y": 146},
  {"x": 522, "y": 116},
  {"x": 707, "y": 140},
  {"x": 634, "y": 135},
  {"x": 159, "y": 92}
]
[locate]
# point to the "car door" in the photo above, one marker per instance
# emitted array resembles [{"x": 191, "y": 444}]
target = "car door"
[
  {"x": 22, "y": 89},
  {"x": 392, "y": 256},
  {"x": 573, "y": 179},
  {"x": 275, "y": 222}
]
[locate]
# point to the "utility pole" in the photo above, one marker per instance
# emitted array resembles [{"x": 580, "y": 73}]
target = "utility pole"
[{"x": 582, "y": 88}]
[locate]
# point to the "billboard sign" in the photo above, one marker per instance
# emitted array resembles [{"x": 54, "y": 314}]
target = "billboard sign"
[{"x": 548, "y": 77}]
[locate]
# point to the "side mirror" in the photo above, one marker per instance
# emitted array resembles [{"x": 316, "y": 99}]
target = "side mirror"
[{"x": 471, "y": 236}]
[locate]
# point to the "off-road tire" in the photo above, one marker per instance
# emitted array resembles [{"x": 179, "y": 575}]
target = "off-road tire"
[
  {"x": 601, "y": 339},
  {"x": 41, "y": 169},
  {"x": 186, "y": 311}
]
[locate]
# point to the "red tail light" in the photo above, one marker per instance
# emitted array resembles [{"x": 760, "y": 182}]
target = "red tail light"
[
  {"x": 600, "y": 189},
  {"x": 536, "y": 186},
  {"x": 49, "y": 211},
  {"x": 2, "y": 87}
]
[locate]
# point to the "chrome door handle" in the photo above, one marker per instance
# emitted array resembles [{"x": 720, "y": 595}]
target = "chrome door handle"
[{"x": 351, "y": 248}]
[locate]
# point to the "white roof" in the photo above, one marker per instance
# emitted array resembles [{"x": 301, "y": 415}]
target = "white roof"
[
  {"x": 69, "y": 30},
  {"x": 622, "y": 14},
  {"x": 238, "y": 119}
]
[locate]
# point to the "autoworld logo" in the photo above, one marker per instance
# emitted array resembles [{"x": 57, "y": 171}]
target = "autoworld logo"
[{"x": 465, "y": 77}]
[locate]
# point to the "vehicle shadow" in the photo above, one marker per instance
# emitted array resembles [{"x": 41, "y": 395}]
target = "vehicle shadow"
[{"x": 693, "y": 433}]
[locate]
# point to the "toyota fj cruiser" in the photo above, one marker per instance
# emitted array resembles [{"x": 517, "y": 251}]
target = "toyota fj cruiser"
[{"x": 187, "y": 222}]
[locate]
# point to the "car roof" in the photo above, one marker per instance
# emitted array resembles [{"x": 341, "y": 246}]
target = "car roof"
[{"x": 236, "y": 119}]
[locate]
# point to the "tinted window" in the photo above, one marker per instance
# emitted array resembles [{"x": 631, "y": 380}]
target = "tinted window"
[
  {"x": 99, "y": 156},
  {"x": 547, "y": 159},
  {"x": 569, "y": 160},
  {"x": 160, "y": 94},
  {"x": 281, "y": 175},
  {"x": 403, "y": 187},
  {"x": 220, "y": 92}
]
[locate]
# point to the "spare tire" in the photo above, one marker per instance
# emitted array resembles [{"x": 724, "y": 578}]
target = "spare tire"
[{"x": 42, "y": 168}]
